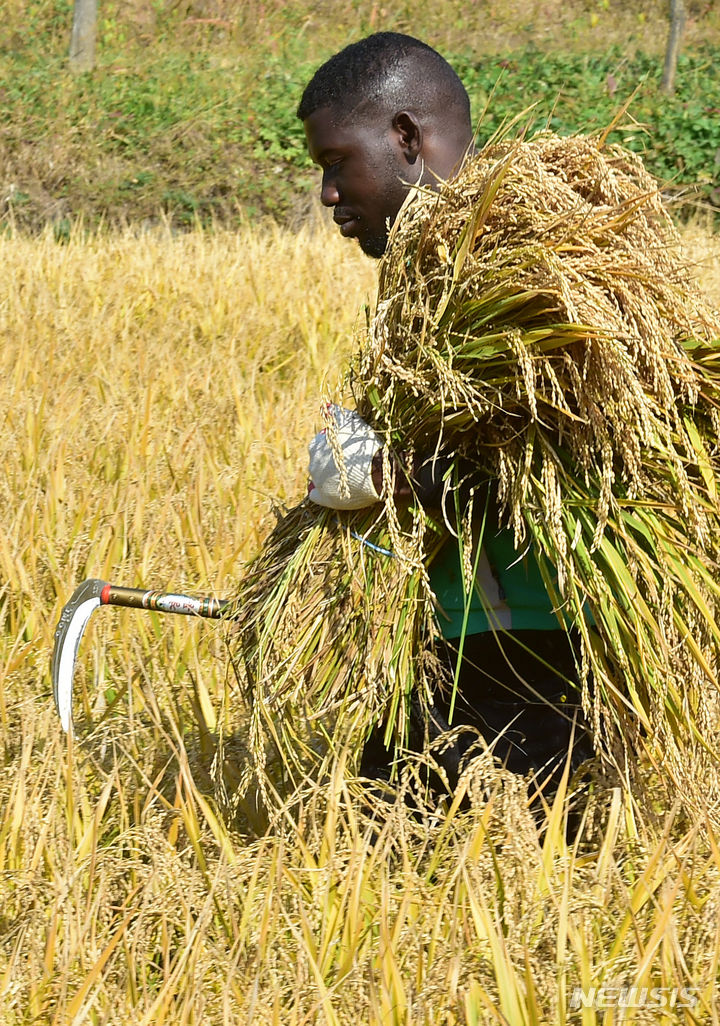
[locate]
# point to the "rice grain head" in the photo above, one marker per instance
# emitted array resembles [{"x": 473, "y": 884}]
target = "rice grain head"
[{"x": 534, "y": 318}]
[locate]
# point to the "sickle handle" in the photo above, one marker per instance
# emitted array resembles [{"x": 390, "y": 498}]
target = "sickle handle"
[
  {"x": 164, "y": 602},
  {"x": 76, "y": 613}
]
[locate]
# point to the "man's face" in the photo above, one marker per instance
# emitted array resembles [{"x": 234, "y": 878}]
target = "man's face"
[{"x": 363, "y": 171}]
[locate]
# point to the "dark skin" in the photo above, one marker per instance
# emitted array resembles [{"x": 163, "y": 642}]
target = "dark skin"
[{"x": 370, "y": 160}]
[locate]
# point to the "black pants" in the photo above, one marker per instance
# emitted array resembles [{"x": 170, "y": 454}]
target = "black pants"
[{"x": 519, "y": 692}]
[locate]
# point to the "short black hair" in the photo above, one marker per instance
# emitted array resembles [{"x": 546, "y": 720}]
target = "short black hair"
[{"x": 382, "y": 64}]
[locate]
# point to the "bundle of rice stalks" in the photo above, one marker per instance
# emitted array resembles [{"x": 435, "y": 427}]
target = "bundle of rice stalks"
[{"x": 535, "y": 321}]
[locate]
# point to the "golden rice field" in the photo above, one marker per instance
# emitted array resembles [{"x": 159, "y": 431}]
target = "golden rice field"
[{"x": 157, "y": 396}]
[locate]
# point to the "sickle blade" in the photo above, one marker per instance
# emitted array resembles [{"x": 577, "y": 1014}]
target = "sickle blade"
[{"x": 69, "y": 631}]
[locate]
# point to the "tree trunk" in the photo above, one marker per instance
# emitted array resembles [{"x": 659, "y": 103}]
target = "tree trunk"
[
  {"x": 82, "y": 40},
  {"x": 677, "y": 24}
]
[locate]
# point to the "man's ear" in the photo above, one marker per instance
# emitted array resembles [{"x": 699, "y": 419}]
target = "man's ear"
[{"x": 410, "y": 134}]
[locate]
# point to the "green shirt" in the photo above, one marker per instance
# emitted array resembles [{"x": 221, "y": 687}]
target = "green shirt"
[{"x": 508, "y": 591}]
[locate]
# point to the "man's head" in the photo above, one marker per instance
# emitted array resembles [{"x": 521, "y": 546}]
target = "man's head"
[{"x": 385, "y": 113}]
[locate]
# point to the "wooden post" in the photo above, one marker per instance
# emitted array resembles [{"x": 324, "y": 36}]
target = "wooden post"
[
  {"x": 84, "y": 32},
  {"x": 677, "y": 24}
]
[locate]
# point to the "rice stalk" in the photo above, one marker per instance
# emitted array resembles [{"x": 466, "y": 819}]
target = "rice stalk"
[
  {"x": 91, "y": 489},
  {"x": 535, "y": 320}
]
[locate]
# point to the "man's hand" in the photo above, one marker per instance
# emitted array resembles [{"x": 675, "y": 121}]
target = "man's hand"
[{"x": 341, "y": 474}]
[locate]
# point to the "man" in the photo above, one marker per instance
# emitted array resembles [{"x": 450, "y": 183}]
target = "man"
[{"x": 384, "y": 115}]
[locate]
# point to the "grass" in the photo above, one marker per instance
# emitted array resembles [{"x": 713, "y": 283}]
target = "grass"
[
  {"x": 158, "y": 394},
  {"x": 190, "y": 112}
]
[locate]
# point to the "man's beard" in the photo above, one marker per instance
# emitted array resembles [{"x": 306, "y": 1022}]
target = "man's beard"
[{"x": 374, "y": 245}]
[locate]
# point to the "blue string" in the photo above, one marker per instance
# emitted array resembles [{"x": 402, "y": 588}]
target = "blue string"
[{"x": 372, "y": 545}]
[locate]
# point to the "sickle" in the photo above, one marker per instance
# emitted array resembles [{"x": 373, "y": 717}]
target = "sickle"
[{"x": 85, "y": 600}]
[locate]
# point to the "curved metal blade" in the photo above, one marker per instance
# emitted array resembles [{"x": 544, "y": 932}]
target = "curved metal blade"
[{"x": 68, "y": 633}]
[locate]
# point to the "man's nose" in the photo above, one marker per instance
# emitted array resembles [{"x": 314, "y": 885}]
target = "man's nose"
[{"x": 329, "y": 195}]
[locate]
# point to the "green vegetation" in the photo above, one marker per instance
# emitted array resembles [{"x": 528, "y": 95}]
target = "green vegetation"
[
  {"x": 160, "y": 388},
  {"x": 191, "y": 110}
]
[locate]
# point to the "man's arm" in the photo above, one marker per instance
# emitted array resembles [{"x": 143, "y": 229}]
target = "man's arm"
[
  {"x": 349, "y": 473},
  {"x": 425, "y": 480}
]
